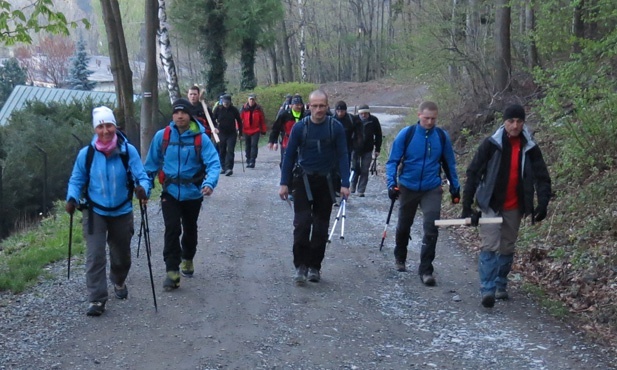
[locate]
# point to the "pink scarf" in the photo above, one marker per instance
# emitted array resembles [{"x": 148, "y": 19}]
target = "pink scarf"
[{"x": 107, "y": 148}]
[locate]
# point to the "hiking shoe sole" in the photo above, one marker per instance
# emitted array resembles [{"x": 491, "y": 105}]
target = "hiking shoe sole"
[
  {"x": 400, "y": 266},
  {"x": 314, "y": 276}
]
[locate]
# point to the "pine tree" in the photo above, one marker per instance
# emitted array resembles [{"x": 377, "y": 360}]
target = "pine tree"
[
  {"x": 79, "y": 72},
  {"x": 11, "y": 75}
]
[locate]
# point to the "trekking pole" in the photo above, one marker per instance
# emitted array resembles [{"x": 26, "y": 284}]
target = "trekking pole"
[
  {"x": 373, "y": 169},
  {"x": 338, "y": 215},
  {"x": 144, "y": 220},
  {"x": 241, "y": 155},
  {"x": 383, "y": 237},
  {"x": 68, "y": 262},
  {"x": 344, "y": 206},
  {"x": 141, "y": 227}
]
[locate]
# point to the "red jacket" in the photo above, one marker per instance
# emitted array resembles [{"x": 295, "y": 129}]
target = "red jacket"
[{"x": 253, "y": 119}]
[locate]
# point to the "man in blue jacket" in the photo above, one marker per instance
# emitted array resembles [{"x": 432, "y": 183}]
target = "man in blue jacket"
[
  {"x": 317, "y": 145},
  {"x": 422, "y": 153},
  {"x": 190, "y": 167}
]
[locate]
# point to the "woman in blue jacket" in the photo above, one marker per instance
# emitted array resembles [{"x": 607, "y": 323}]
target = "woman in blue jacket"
[{"x": 106, "y": 172}]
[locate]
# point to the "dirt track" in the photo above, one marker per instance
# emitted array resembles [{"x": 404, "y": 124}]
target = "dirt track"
[{"x": 242, "y": 311}]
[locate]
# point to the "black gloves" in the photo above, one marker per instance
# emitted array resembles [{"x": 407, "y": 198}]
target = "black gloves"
[
  {"x": 539, "y": 213},
  {"x": 140, "y": 193},
  {"x": 475, "y": 218},
  {"x": 393, "y": 193},
  {"x": 70, "y": 206}
]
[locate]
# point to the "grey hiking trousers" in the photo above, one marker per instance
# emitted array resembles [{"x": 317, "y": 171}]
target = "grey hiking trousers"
[{"x": 115, "y": 232}]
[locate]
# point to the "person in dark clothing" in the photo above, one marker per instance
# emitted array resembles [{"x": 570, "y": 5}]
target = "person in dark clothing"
[
  {"x": 254, "y": 126},
  {"x": 353, "y": 133},
  {"x": 362, "y": 156},
  {"x": 281, "y": 128},
  {"x": 197, "y": 109},
  {"x": 506, "y": 171},
  {"x": 190, "y": 173},
  {"x": 316, "y": 147},
  {"x": 229, "y": 128},
  {"x": 285, "y": 106},
  {"x": 413, "y": 171}
]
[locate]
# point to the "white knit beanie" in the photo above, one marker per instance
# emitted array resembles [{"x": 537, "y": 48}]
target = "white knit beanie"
[{"x": 102, "y": 115}]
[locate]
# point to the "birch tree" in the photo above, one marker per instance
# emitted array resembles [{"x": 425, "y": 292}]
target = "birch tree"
[{"x": 166, "y": 55}]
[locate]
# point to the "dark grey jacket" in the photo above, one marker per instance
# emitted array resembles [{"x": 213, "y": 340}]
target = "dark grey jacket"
[{"x": 488, "y": 173}]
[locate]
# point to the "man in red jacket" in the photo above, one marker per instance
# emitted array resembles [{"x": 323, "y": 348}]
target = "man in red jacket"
[{"x": 254, "y": 123}]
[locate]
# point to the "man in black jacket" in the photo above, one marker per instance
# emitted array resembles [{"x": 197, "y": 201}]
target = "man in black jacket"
[
  {"x": 229, "y": 128},
  {"x": 362, "y": 156},
  {"x": 505, "y": 172}
]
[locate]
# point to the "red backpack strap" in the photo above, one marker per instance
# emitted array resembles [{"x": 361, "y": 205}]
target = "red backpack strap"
[
  {"x": 197, "y": 144},
  {"x": 164, "y": 145},
  {"x": 166, "y": 136}
]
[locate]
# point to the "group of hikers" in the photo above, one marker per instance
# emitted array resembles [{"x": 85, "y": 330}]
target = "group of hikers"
[{"x": 323, "y": 156}]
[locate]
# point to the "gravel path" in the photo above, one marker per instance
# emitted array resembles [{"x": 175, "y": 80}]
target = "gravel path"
[{"x": 241, "y": 310}]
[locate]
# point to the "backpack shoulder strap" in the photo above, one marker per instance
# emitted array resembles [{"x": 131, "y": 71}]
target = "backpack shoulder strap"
[
  {"x": 197, "y": 143},
  {"x": 166, "y": 136},
  {"x": 408, "y": 137},
  {"x": 89, "y": 159}
]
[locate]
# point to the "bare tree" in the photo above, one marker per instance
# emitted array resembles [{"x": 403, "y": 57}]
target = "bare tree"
[
  {"x": 120, "y": 69},
  {"x": 302, "y": 42},
  {"x": 149, "y": 86},
  {"x": 503, "y": 53}
]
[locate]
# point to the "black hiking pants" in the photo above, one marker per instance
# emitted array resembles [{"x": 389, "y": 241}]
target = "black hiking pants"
[{"x": 180, "y": 218}]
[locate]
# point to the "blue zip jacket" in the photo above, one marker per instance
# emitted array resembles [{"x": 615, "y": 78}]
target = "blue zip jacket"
[
  {"x": 422, "y": 161},
  {"x": 181, "y": 161},
  {"x": 108, "y": 178},
  {"x": 319, "y": 155}
]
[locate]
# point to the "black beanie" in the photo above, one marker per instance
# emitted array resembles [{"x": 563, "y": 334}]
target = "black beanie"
[
  {"x": 297, "y": 99},
  {"x": 341, "y": 105},
  {"x": 514, "y": 111},
  {"x": 182, "y": 104}
]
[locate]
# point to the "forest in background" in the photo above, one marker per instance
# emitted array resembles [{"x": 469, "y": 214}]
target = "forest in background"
[{"x": 556, "y": 57}]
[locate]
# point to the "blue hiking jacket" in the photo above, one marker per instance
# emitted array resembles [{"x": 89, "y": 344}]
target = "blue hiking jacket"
[
  {"x": 108, "y": 179},
  {"x": 181, "y": 161},
  {"x": 422, "y": 160}
]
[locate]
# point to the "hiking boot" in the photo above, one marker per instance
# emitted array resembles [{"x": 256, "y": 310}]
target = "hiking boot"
[
  {"x": 172, "y": 281},
  {"x": 96, "y": 309},
  {"x": 352, "y": 190},
  {"x": 428, "y": 280},
  {"x": 361, "y": 195},
  {"x": 186, "y": 268},
  {"x": 250, "y": 165},
  {"x": 501, "y": 294},
  {"x": 223, "y": 171},
  {"x": 313, "y": 275},
  {"x": 300, "y": 277},
  {"x": 488, "y": 300},
  {"x": 229, "y": 173},
  {"x": 400, "y": 266},
  {"x": 121, "y": 291}
]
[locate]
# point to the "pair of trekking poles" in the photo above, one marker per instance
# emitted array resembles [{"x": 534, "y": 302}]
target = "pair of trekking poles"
[{"x": 143, "y": 228}]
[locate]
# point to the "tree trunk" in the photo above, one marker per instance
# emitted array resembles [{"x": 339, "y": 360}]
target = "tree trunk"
[
  {"x": 578, "y": 26},
  {"x": 247, "y": 61},
  {"x": 120, "y": 69},
  {"x": 274, "y": 73},
  {"x": 302, "y": 43},
  {"x": 503, "y": 55},
  {"x": 472, "y": 25},
  {"x": 288, "y": 72},
  {"x": 530, "y": 26},
  {"x": 149, "y": 86},
  {"x": 166, "y": 54}
]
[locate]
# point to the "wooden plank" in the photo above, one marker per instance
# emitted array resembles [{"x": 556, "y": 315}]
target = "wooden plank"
[{"x": 467, "y": 221}]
